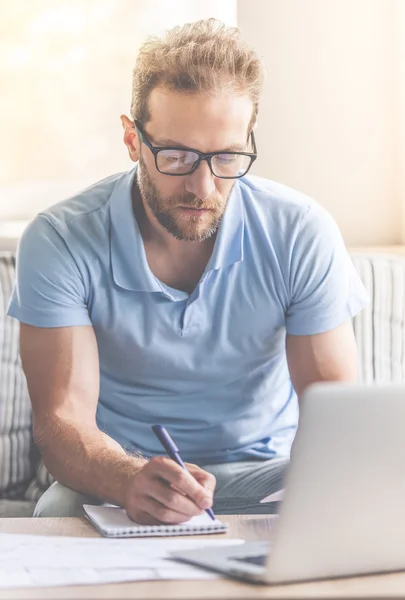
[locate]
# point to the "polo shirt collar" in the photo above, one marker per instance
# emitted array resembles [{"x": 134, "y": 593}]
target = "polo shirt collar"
[
  {"x": 228, "y": 248},
  {"x": 129, "y": 264}
]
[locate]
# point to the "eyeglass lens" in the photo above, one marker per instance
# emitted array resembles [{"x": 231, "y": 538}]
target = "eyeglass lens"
[{"x": 183, "y": 162}]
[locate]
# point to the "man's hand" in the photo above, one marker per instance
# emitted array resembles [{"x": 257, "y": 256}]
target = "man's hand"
[{"x": 163, "y": 492}]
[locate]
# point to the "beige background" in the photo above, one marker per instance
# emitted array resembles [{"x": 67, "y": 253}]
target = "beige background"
[
  {"x": 400, "y": 149},
  {"x": 65, "y": 79},
  {"x": 332, "y": 120}
]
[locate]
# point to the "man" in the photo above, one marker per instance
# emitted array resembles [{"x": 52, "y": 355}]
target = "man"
[{"x": 183, "y": 293}]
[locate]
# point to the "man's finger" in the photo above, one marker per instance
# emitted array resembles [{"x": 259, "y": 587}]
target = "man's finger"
[
  {"x": 171, "y": 472},
  {"x": 207, "y": 480},
  {"x": 171, "y": 498},
  {"x": 163, "y": 514}
]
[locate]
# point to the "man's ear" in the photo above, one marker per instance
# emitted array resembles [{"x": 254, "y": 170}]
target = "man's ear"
[{"x": 130, "y": 138}]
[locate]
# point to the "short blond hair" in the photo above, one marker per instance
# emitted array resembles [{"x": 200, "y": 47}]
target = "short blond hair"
[{"x": 205, "y": 56}]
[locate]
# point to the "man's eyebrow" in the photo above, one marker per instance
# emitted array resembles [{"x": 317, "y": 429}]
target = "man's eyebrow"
[{"x": 170, "y": 142}]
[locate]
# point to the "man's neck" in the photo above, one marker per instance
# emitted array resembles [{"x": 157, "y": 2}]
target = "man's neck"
[{"x": 177, "y": 263}]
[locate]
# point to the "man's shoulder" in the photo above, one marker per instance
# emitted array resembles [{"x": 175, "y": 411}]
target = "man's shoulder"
[
  {"x": 280, "y": 208},
  {"x": 87, "y": 204},
  {"x": 283, "y": 215},
  {"x": 270, "y": 195}
]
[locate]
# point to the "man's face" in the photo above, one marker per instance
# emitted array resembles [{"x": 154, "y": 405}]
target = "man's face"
[{"x": 191, "y": 207}]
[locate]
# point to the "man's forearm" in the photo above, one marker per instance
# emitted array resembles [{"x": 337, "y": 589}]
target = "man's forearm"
[{"x": 87, "y": 460}]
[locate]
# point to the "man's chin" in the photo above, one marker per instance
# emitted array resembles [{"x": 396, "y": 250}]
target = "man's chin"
[
  {"x": 189, "y": 231},
  {"x": 192, "y": 233}
]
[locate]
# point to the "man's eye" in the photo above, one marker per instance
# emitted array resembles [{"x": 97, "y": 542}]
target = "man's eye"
[
  {"x": 226, "y": 159},
  {"x": 176, "y": 156}
]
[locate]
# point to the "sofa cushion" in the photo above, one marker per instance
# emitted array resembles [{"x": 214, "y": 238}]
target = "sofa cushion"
[
  {"x": 40, "y": 482},
  {"x": 380, "y": 326},
  {"x": 16, "y": 508},
  {"x": 22, "y": 472},
  {"x": 16, "y": 467}
]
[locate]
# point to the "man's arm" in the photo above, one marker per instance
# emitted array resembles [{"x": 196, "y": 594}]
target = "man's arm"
[
  {"x": 61, "y": 366},
  {"x": 62, "y": 369},
  {"x": 329, "y": 356}
]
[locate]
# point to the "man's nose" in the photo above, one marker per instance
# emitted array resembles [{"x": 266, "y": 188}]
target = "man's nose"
[{"x": 201, "y": 181}]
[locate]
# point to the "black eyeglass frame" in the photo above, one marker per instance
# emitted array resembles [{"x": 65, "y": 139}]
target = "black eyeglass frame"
[{"x": 201, "y": 155}]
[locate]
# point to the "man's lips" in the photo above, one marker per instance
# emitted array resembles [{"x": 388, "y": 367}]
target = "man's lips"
[
  {"x": 194, "y": 211},
  {"x": 195, "y": 208}
]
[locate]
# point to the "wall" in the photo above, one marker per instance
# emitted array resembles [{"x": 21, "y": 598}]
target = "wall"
[
  {"x": 332, "y": 120},
  {"x": 400, "y": 112},
  {"x": 330, "y": 115},
  {"x": 65, "y": 79}
]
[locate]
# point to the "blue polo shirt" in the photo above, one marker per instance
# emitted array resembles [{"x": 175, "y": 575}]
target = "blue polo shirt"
[{"x": 210, "y": 366}]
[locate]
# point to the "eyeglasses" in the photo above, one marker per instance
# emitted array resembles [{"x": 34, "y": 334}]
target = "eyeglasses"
[{"x": 183, "y": 161}]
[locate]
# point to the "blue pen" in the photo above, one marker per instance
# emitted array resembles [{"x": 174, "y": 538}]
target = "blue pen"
[{"x": 172, "y": 450}]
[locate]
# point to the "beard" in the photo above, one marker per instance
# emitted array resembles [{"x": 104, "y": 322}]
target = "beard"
[{"x": 193, "y": 228}]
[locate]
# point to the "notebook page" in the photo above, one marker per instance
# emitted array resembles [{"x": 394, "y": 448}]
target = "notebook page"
[{"x": 113, "y": 521}]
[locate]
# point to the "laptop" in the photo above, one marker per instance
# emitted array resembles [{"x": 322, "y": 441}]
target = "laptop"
[{"x": 343, "y": 511}]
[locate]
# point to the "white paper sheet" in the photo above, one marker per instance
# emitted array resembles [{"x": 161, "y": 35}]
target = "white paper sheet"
[
  {"x": 275, "y": 497},
  {"x": 31, "y": 560}
]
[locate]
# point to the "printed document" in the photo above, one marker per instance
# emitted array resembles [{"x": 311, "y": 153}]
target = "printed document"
[{"x": 33, "y": 560}]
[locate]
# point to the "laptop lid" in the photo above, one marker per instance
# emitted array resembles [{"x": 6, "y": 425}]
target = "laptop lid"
[{"x": 343, "y": 511}]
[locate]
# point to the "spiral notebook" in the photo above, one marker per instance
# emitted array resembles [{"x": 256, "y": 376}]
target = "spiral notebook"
[{"x": 113, "y": 521}]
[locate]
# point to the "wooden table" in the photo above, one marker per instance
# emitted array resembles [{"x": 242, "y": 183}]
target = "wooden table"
[{"x": 248, "y": 527}]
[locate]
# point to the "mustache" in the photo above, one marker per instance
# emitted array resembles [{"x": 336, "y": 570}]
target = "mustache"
[{"x": 191, "y": 201}]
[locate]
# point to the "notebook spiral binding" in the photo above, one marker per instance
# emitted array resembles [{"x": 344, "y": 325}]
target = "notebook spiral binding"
[{"x": 165, "y": 529}]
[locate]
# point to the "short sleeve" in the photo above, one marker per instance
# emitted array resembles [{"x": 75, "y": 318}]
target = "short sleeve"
[
  {"x": 49, "y": 290},
  {"x": 325, "y": 289}
]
